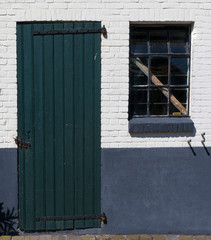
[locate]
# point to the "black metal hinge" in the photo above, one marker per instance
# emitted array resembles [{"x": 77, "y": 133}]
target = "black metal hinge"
[
  {"x": 71, "y": 31},
  {"x": 102, "y": 218},
  {"x": 21, "y": 144}
]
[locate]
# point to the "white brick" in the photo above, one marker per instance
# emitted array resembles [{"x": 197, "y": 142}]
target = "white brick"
[{"x": 116, "y": 15}]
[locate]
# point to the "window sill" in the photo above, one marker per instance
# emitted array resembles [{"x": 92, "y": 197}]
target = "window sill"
[{"x": 158, "y": 125}]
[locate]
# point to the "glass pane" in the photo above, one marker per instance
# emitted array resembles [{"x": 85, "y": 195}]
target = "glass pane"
[
  {"x": 140, "y": 109},
  {"x": 179, "y": 66},
  {"x": 174, "y": 111},
  {"x": 137, "y": 77},
  {"x": 178, "y": 41},
  {"x": 180, "y": 94},
  {"x": 158, "y": 101},
  {"x": 158, "y": 109},
  {"x": 138, "y": 42},
  {"x": 141, "y": 80},
  {"x": 159, "y": 67},
  {"x": 179, "y": 80},
  {"x": 139, "y": 96},
  {"x": 163, "y": 79},
  {"x": 158, "y": 41},
  {"x": 157, "y": 96}
]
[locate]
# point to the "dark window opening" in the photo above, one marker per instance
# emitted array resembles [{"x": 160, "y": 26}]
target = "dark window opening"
[{"x": 159, "y": 71}]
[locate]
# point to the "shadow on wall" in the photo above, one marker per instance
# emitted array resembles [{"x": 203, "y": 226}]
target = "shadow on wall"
[
  {"x": 7, "y": 221},
  {"x": 157, "y": 190}
]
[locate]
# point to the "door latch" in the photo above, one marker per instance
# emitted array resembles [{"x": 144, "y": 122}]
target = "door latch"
[{"x": 21, "y": 144}]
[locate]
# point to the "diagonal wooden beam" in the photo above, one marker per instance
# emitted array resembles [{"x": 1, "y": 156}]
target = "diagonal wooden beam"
[{"x": 164, "y": 90}]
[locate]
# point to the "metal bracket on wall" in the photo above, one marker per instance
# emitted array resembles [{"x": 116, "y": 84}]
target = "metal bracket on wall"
[
  {"x": 21, "y": 144},
  {"x": 102, "y": 218},
  {"x": 203, "y": 143},
  {"x": 72, "y": 31}
]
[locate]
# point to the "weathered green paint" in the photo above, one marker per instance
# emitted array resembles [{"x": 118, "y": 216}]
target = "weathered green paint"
[{"x": 59, "y": 114}]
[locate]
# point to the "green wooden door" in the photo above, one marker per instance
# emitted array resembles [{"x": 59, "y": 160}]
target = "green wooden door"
[{"x": 59, "y": 115}]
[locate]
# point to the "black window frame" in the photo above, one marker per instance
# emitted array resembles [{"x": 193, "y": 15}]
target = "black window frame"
[{"x": 168, "y": 55}]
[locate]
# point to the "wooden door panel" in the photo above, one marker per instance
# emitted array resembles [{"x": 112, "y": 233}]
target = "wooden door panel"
[{"x": 59, "y": 114}]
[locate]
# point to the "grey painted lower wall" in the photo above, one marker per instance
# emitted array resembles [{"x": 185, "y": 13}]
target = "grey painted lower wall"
[
  {"x": 156, "y": 190},
  {"x": 8, "y": 178},
  {"x": 8, "y": 189}
]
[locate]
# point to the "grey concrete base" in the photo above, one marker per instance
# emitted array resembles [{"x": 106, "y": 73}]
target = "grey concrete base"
[
  {"x": 152, "y": 191},
  {"x": 9, "y": 182},
  {"x": 157, "y": 191},
  {"x": 8, "y": 178}
]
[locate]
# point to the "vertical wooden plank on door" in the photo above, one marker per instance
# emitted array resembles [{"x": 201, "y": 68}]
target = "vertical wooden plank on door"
[
  {"x": 59, "y": 124},
  {"x": 69, "y": 125},
  {"x": 97, "y": 128},
  {"x": 79, "y": 126},
  {"x": 49, "y": 125},
  {"x": 28, "y": 125},
  {"x": 39, "y": 109},
  {"x": 88, "y": 63},
  {"x": 21, "y": 124}
]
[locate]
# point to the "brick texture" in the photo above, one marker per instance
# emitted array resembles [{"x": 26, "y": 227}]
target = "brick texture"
[{"x": 116, "y": 15}]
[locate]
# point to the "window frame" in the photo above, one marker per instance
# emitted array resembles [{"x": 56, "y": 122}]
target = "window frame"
[{"x": 168, "y": 55}]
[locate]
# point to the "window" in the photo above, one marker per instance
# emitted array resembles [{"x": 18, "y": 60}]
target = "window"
[{"x": 159, "y": 71}]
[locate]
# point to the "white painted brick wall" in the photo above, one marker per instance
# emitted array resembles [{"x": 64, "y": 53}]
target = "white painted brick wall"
[{"x": 116, "y": 15}]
